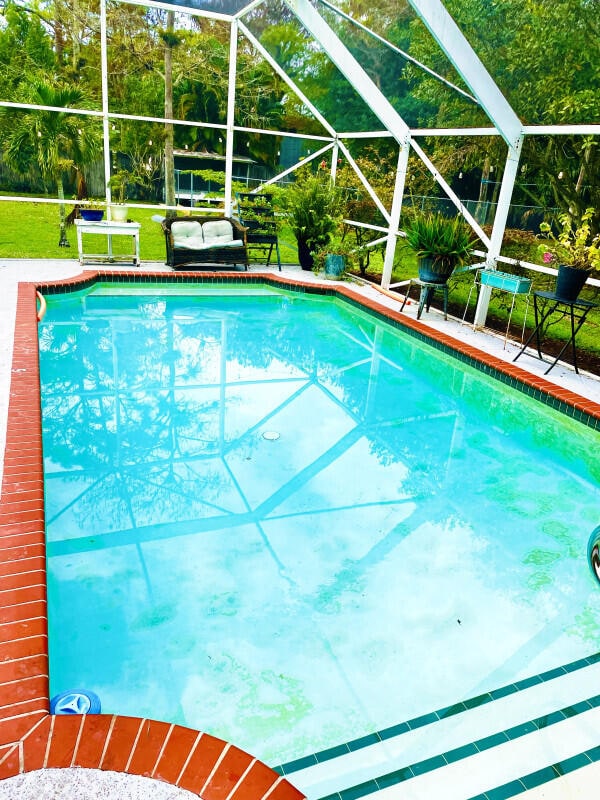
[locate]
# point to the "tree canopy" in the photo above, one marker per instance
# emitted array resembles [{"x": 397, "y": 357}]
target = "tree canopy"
[{"x": 544, "y": 57}]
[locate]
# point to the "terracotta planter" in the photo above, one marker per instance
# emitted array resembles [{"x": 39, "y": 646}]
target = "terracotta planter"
[{"x": 569, "y": 282}]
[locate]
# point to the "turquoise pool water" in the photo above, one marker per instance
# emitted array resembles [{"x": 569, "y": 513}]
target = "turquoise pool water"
[{"x": 275, "y": 518}]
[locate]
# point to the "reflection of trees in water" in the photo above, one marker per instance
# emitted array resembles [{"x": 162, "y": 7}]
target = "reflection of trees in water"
[
  {"x": 148, "y": 386},
  {"x": 127, "y": 398}
]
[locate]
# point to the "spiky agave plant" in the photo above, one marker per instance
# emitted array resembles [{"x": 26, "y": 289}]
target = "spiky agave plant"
[{"x": 446, "y": 241}]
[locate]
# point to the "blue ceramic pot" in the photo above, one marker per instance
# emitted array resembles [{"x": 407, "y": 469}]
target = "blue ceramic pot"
[
  {"x": 91, "y": 214},
  {"x": 335, "y": 265}
]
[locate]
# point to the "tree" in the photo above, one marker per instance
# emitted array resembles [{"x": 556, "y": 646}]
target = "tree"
[
  {"x": 545, "y": 63},
  {"x": 25, "y": 50},
  {"x": 53, "y": 141}
]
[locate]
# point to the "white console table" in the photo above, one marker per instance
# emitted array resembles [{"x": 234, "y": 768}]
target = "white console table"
[{"x": 108, "y": 229}]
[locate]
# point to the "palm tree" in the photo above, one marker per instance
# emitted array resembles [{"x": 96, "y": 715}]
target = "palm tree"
[{"x": 56, "y": 142}]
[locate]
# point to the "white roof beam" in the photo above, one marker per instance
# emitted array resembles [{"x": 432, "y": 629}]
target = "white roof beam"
[
  {"x": 247, "y": 9},
  {"x": 397, "y": 50},
  {"x": 192, "y": 12},
  {"x": 561, "y": 130},
  {"x": 451, "y": 40},
  {"x": 286, "y": 78},
  {"x": 350, "y": 68}
]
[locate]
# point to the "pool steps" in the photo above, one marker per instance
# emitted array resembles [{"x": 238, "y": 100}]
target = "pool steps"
[{"x": 496, "y": 749}]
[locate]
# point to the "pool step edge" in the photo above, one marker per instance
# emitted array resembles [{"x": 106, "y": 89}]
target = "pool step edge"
[{"x": 453, "y": 739}]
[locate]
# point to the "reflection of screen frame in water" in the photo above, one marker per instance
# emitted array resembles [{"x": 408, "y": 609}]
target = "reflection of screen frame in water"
[{"x": 475, "y": 398}]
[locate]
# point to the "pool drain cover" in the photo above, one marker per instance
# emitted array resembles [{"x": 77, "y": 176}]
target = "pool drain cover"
[
  {"x": 75, "y": 701},
  {"x": 271, "y": 436}
]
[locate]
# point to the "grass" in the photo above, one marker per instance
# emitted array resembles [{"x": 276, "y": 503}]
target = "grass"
[{"x": 31, "y": 230}]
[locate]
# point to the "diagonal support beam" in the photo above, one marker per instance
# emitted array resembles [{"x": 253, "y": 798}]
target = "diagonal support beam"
[
  {"x": 286, "y": 78},
  {"x": 450, "y": 38},
  {"x": 350, "y": 68},
  {"x": 451, "y": 194}
]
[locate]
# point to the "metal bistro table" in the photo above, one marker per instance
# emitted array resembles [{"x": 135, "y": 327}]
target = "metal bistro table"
[
  {"x": 577, "y": 311},
  {"x": 108, "y": 229}
]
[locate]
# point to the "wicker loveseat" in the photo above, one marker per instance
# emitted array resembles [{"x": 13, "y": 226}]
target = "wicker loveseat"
[{"x": 205, "y": 240}]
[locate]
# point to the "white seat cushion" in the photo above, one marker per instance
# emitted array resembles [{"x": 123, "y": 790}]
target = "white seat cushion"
[
  {"x": 187, "y": 234},
  {"x": 217, "y": 245},
  {"x": 217, "y": 232}
]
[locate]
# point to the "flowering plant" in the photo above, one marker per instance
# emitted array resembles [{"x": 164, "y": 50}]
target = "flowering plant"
[
  {"x": 340, "y": 247},
  {"x": 575, "y": 245}
]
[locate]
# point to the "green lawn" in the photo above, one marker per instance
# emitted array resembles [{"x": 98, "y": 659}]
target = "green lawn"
[{"x": 31, "y": 230}]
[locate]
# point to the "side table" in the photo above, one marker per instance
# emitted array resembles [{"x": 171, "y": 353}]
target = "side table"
[
  {"x": 577, "y": 311},
  {"x": 427, "y": 292},
  {"x": 503, "y": 282},
  {"x": 108, "y": 229}
]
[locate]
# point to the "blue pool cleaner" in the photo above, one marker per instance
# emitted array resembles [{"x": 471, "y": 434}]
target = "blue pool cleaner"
[
  {"x": 594, "y": 553},
  {"x": 75, "y": 701}
]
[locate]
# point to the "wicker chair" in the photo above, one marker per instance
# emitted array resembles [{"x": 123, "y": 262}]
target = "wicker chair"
[{"x": 204, "y": 241}]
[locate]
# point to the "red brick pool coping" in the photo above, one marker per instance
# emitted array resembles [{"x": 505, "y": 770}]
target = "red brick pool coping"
[{"x": 30, "y": 737}]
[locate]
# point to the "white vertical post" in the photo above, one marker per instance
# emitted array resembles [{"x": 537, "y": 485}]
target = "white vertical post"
[
  {"x": 335, "y": 154},
  {"x": 104, "y": 88},
  {"x": 230, "y": 116},
  {"x": 506, "y": 189},
  {"x": 390, "y": 248}
]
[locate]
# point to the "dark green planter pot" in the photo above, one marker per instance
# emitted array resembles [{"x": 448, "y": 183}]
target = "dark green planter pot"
[
  {"x": 304, "y": 256},
  {"x": 569, "y": 282},
  {"x": 594, "y": 553},
  {"x": 430, "y": 274},
  {"x": 335, "y": 266}
]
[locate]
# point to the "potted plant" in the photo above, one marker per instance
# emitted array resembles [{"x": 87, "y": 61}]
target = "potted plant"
[
  {"x": 335, "y": 258},
  {"x": 118, "y": 184},
  {"x": 93, "y": 211},
  {"x": 441, "y": 244},
  {"x": 575, "y": 250},
  {"x": 314, "y": 208}
]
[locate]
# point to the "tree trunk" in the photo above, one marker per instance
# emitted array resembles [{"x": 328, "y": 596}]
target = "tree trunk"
[
  {"x": 63, "y": 241},
  {"x": 169, "y": 133}
]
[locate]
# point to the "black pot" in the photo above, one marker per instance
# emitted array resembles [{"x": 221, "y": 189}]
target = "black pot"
[
  {"x": 431, "y": 272},
  {"x": 304, "y": 255},
  {"x": 569, "y": 282}
]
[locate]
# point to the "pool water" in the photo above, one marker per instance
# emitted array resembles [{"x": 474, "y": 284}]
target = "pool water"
[{"x": 275, "y": 518}]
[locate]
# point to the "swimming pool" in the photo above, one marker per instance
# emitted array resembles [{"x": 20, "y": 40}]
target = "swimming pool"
[{"x": 277, "y": 518}]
